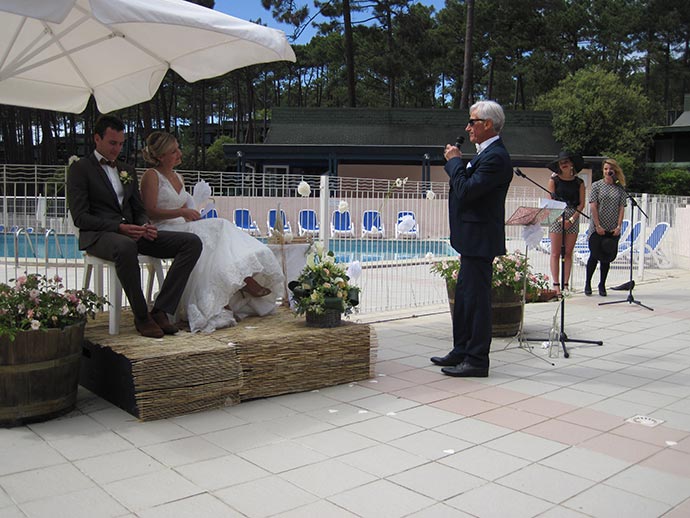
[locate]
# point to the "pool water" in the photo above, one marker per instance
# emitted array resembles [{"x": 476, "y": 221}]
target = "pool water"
[{"x": 345, "y": 250}]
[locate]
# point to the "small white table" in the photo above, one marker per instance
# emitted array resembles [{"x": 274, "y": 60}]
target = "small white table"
[{"x": 292, "y": 258}]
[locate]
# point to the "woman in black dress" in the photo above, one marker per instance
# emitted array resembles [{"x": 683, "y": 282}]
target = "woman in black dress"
[{"x": 565, "y": 186}]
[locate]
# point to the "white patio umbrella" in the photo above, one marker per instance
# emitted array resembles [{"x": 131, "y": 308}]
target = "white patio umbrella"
[
  {"x": 55, "y": 54},
  {"x": 41, "y": 207}
]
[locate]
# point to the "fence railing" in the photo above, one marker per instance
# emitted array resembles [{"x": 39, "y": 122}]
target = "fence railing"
[{"x": 395, "y": 273}]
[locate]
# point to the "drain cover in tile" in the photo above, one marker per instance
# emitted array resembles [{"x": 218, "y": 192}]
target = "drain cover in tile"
[{"x": 645, "y": 420}]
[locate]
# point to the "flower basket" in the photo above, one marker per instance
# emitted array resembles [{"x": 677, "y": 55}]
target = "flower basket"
[
  {"x": 323, "y": 291},
  {"x": 40, "y": 371},
  {"x": 329, "y": 318},
  {"x": 506, "y": 311}
]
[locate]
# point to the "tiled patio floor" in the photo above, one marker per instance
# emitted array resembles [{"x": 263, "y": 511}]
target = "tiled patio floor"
[{"x": 530, "y": 440}]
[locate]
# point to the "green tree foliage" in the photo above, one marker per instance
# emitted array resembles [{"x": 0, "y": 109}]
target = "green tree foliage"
[
  {"x": 215, "y": 158},
  {"x": 675, "y": 182},
  {"x": 595, "y": 111}
]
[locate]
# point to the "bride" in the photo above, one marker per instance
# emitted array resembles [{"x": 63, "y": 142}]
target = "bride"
[{"x": 236, "y": 275}]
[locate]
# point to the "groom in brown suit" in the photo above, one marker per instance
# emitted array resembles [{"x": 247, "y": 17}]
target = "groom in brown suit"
[{"x": 104, "y": 200}]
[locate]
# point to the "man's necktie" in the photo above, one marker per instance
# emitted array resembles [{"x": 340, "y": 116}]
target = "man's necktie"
[{"x": 111, "y": 163}]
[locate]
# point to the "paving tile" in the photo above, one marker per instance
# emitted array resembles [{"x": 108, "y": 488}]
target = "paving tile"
[
  {"x": 473, "y": 430},
  {"x": 221, "y": 472},
  {"x": 592, "y": 419},
  {"x": 243, "y": 437},
  {"x": 327, "y": 478},
  {"x": 484, "y": 462},
  {"x": 30, "y": 456},
  {"x": 383, "y": 428},
  {"x": 118, "y": 466},
  {"x": 586, "y": 463},
  {"x": 658, "y": 435},
  {"x": 282, "y": 456},
  {"x": 508, "y": 417},
  {"x": 151, "y": 432},
  {"x": 44, "y": 482},
  {"x": 322, "y": 508},
  {"x": 437, "y": 481},
  {"x": 670, "y": 461},
  {"x": 430, "y": 444},
  {"x": 423, "y": 394},
  {"x": 209, "y": 421},
  {"x": 465, "y": 405},
  {"x": 381, "y": 499},
  {"x": 259, "y": 410},
  {"x": 192, "y": 507},
  {"x": 150, "y": 490},
  {"x": 387, "y": 384},
  {"x": 621, "y": 447},
  {"x": 184, "y": 451},
  {"x": 383, "y": 460},
  {"x": 526, "y": 446},
  {"x": 544, "y": 407},
  {"x": 546, "y": 483},
  {"x": 385, "y": 403},
  {"x": 427, "y": 416},
  {"x": 341, "y": 414},
  {"x": 604, "y": 501},
  {"x": 567, "y": 433},
  {"x": 499, "y": 395},
  {"x": 439, "y": 511},
  {"x": 652, "y": 483},
  {"x": 77, "y": 504},
  {"x": 265, "y": 497},
  {"x": 495, "y": 501},
  {"x": 681, "y": 511},
  {"x": 348, "y": 392}
]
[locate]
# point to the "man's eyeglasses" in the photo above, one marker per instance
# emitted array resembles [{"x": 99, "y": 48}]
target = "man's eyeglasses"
[{"x": 472, "y": 121}]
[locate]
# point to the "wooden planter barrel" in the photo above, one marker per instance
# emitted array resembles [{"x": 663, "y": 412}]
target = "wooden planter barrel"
[
  {"x": 39, "y": 374},
  {"x": 506, "y": 311}
]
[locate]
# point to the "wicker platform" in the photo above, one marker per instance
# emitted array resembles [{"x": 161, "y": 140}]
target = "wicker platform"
[{"x": 184, "y": 373}]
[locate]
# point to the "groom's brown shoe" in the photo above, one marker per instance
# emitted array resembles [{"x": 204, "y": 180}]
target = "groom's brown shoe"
[
  {"x": 148, "y": 328},
  {"x": 160, "y": 318}
]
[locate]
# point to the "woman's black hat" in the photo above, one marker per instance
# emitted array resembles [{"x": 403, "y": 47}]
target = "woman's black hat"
[{"x": 575, "y": 158}]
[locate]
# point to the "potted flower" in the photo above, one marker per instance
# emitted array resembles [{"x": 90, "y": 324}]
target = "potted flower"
[
  {"x": 41, "y": 336},
  {"x": 506, "y": 291},
  {"x": 323, "y": 291}
]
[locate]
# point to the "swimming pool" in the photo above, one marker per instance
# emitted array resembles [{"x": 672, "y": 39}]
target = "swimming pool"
[{"x": 345, "y": 250}]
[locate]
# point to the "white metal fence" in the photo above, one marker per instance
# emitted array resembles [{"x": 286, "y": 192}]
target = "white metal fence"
[{"x": 37, "y": 237}]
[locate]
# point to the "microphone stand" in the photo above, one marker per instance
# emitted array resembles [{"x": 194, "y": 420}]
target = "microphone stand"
[
  {"x": 562, "y": 337},
  {"x": 630, "y": 285}
]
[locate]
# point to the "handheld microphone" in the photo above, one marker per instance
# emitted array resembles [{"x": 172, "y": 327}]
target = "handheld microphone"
[{"x": 458, "y": 141}]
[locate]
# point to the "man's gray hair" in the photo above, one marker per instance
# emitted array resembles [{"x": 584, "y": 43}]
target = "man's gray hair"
[{"x": 490, "y": 110}]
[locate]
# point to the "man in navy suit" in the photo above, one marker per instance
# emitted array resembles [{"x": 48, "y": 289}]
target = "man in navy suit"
[
  {"x": 476, "y": 206},
  {"x": 106, "y": 207}
]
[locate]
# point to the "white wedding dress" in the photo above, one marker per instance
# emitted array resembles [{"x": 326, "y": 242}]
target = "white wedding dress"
[{"x": 228, "y": 257}]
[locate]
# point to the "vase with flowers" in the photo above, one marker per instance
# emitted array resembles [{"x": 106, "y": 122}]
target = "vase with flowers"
[
  {"x": 323, "y": 291},
  {"x": 41, "y": 338}
]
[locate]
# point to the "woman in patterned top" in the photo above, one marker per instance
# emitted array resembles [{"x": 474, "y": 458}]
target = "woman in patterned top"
[
  {"x": 607, "y": 204},
  {"x": 565, "y": 186}
]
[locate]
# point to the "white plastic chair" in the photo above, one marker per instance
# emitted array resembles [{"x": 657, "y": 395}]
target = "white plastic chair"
[{"x": 152, "y": 264}]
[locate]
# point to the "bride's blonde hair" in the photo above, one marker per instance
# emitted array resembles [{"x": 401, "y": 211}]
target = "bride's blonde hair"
[{"x": 157, "y": 144}]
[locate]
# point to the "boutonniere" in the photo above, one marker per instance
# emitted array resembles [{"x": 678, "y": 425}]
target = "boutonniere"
[{"x": 125, "y": 177}]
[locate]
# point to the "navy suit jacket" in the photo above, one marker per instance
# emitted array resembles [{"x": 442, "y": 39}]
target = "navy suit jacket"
[
  {"x": 93, "y": 203},
  {"x": 476, "y": 202}
]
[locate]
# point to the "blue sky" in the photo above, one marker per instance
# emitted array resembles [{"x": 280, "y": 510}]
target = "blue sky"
[{"x": 252, "y": 10}]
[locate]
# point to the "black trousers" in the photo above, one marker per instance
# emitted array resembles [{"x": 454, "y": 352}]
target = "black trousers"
[
  {"x": 472, "y": 314},
  {"x": 598, "y": 255},
  {"x": 183, "y": 247}
]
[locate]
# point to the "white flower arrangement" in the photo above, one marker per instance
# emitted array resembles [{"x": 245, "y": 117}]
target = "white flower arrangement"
[
  {"x": 72, "y": 159},
  {"x": 343, "y": 206},
  {"x": 430, "y": 195}
]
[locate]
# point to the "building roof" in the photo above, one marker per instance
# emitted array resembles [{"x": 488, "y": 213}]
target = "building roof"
[{"x": 525, "y": 132}]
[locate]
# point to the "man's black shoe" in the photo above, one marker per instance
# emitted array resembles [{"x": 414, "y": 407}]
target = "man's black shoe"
[
  {"x": 465, "y": 370},
  {"x": 449, "y": 360}
]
